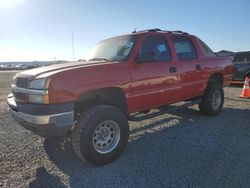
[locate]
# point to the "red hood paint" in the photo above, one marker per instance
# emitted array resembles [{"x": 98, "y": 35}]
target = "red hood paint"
[{"x": 57, "y": 68}]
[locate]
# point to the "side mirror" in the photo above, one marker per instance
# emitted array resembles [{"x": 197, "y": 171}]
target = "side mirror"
[{"x": 147, "y": 56}]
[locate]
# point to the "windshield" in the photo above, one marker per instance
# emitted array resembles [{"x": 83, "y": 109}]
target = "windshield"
[{"x": 113, "y": 49}]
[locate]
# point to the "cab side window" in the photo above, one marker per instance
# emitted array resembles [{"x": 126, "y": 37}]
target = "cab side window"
[
  {"x": 239, "y": 58},
  {"x": 248, "y": 57},
  {"x": 184, "y": 48},
  {"x": 154, "y": 48}
]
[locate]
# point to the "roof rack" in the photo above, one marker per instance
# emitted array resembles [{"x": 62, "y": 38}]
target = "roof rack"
[
  {"x": 179, "y": 32},
  {"x": 159, "y": 30}
]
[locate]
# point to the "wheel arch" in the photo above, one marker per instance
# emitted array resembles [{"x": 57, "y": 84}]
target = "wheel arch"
[
  {"x": 113, "y": 96},
  {"x": 216, "y": 77}
]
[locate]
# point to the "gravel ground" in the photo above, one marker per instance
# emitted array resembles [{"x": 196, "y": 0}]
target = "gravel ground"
[{"x": 180, "y": 149}]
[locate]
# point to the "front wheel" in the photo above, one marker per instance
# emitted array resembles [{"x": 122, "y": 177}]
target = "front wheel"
[
  {"x": 212, "y": 100},
  {"x": 100, "y": 134}
]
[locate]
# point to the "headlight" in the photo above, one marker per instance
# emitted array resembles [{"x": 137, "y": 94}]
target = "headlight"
[
  {"x": 39, "y": 84},
  {"x": 39, "y": 94}
]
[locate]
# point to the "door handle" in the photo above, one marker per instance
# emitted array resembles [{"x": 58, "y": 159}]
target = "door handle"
[
  {"x": 172, "y": 69},
  {"x": 198, "y": 67}
]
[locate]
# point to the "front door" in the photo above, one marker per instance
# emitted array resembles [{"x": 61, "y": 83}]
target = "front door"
[{"x": 153, "y": 74}]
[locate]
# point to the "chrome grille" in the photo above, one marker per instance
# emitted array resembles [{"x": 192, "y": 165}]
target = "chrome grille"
[
  {"x": 20, "y": 97},
  {"x": 21, "y": 82}
]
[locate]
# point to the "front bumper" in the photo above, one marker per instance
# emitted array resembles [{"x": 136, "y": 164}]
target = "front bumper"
[{"x": 44, "y": 120}]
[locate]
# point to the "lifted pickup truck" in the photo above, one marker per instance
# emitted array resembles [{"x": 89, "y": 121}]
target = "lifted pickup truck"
[{"x": 124, "y": 76}]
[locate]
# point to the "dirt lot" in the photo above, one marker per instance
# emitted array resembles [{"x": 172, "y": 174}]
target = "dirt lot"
[{"x": 181, "y": 149}]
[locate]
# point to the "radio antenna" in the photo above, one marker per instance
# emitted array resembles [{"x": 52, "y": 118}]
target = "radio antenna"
[{"x": 73, "y": 45}]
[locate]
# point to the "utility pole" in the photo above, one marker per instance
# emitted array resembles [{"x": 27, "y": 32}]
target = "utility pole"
[{"x": 73, "y": 45}]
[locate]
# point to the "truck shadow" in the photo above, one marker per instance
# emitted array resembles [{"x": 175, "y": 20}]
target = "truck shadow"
[
  {"x": 236, "y": 85},
  {"x": 185, "y": 149},
  {"x": 42, "y": 177}
]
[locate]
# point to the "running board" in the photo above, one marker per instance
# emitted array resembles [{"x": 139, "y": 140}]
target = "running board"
[{"x": 139, "y": 117}]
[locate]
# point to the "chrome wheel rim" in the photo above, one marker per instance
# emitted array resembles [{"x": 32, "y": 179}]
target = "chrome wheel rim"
[
  {"x": 106, "y": 136},
  {"x": 216, "y": 100}
]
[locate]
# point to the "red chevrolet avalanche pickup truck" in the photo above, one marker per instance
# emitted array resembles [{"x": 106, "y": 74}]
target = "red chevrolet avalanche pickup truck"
[{"x": 125, "y": 76}]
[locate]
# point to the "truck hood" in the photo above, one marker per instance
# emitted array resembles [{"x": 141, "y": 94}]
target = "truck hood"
[{"x": 52, "y": 69}]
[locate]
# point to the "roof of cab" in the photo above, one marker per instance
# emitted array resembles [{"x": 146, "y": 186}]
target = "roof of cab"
[{"x": 160, "y": 31}]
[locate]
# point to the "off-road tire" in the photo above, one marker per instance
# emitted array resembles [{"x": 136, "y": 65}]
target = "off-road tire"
[
  {"x": 85, "y": 126},
  {"x": 206, "y": 106}
]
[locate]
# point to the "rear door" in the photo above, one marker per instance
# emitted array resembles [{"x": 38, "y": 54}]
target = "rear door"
[
  {"x": 189, "y": 67},
  {"x": 153, "y": 74}
]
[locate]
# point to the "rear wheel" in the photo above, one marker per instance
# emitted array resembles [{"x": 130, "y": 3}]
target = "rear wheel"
[
  {"x": 100, "y": 134},
  {"x": 212, "y": 100}
]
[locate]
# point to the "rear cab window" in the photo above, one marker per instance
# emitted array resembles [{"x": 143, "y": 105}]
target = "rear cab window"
[
  {"x": 184, "y": 48},
  {"x": 205, "y": 49}
]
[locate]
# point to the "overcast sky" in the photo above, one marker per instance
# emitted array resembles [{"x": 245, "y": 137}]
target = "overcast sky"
[{"x": 41, "y": 29}]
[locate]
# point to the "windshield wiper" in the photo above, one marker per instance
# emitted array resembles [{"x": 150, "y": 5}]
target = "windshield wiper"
[{"x": 98, "y": 59}]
